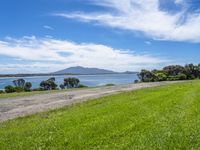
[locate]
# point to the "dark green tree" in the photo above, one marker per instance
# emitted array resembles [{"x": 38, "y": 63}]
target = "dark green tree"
[
  {"x": 192, "y": 71},
  {"x": 19, "y": 83},
  {"x": 27, "y": 86},
  {"x": 71, "y": 82},
  {"x": 173, "y": 70},
  {"x": 48, "y": 84},
  {"x": 147, "y": 76}
]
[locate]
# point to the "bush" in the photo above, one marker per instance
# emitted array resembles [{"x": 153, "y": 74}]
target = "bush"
[
  {"x": 161, "y": 77},
  {"x": 18, "y": 89},
  {"x": 9, "y": 89},
  {"x": 172, "y": 78},
  {"x": 191, "y": 77},
  {"x": 38, "y": 89},
  {"x": 82, "y": 86},
  {"x": 181, "y": 76},
  {"x": 27, "y": 86},
  {"x": 1, "y": 92},
  {"x": 62, "y": 87},
  {"x": 136, "y": 81},
  {"x": 110, "y": 84}
]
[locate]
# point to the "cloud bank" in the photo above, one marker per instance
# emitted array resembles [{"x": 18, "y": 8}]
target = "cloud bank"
[
  {"x": 147, "y": 17},
  {"x": 48, "y": 54}
]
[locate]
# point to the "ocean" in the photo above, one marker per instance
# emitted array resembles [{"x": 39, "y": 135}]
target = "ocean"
[{"x": 89, "y": 80}]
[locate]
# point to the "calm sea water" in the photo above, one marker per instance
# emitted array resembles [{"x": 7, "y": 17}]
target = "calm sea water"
[{"x": 89, "y": 80}]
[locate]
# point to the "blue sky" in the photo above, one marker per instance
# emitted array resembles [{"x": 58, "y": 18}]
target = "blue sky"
[{"x": 45, "y": 36}]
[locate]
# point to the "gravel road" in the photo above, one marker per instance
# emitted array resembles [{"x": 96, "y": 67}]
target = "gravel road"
[{"x": 11, "y": 108}]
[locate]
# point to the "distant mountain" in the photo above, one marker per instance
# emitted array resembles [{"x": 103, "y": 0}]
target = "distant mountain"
[{"x": 83, "y": 70}]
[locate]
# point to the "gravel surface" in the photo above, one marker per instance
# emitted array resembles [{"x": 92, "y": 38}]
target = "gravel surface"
[{"x": 21, "y": 106}]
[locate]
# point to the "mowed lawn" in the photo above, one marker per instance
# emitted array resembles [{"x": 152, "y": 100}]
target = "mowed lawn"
[{"x": 166, "y": 117}]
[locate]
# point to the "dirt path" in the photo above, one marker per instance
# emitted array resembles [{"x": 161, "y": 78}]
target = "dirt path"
[{"x": 14, "y": 107}]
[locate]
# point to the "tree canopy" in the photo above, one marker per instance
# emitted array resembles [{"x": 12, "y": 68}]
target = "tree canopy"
[{"x": 170, "y": 73}]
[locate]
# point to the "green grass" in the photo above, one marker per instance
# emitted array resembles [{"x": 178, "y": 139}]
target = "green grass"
[
  {"x": 12, "y": 95},
  {"x": 166, "y": 117}
]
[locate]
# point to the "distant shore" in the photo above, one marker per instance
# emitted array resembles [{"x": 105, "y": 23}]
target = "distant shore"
[{"x": 41, "y": 74}]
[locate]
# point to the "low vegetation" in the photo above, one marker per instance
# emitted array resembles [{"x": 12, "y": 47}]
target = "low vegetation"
[
  {"x": 165, "y": 117},
  {"x": 110, "y": 84},
  {"x": 171, "y": 73},
  {"x": 20, "y": 85}
]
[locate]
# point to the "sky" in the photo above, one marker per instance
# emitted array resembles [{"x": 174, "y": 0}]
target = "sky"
[{"x": 42, "y": 36}]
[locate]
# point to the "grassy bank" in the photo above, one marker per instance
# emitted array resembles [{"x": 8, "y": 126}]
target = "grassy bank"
[{"x": 166, "y": 117}]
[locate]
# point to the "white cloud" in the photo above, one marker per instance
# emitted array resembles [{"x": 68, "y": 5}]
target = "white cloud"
[
  {"x": 148, "y": 42},
  {"x": 179, "y": 1},
  {"x": 48, "y": 27},
  {"x": 52, "y": 54},
  {"x": 147, "y": 17}
]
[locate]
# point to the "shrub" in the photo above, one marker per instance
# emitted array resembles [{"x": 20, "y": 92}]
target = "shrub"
[
  {"x": 62, "y": 87},
  {"x": 136, "y": 81},
  {"x": 172, "y": 78},
  {"x": 9, "y": 89},
  {"x": 1, "y": 92},
  {"x": 18, "y": 89},
  {"x": 110, "y": 84},
  {"x": 181, "y": 76},
  {"x": 38, "y": 89},
  {"x": 161, "y": 77},
  {"x": 27, "y": 86},
  {"x": 82, "y": 86},
  {"x": 191, "y": 77}
]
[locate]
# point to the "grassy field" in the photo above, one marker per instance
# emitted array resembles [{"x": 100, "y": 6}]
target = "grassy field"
[{"x": 166, "y": 117}]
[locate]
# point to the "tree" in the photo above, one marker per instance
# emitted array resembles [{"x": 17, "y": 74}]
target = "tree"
[
  {"x": 173, "y": 70},
  {"x": 19, "y": 83},
  {"x": 198, "y": 66},
  {"x": 161, "y": 76},
  {"x": 71, "y": 82},
  {"x": 44, "y": 85},
  {"x": 171, "y": 73},
  {"x": 27, "y": 86},
  {"x": 192, "y": 71},
  {"x": 48, "y": 84},
  {"x": 147, "y": 76},
  {"x": 181, "y": 76}
]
